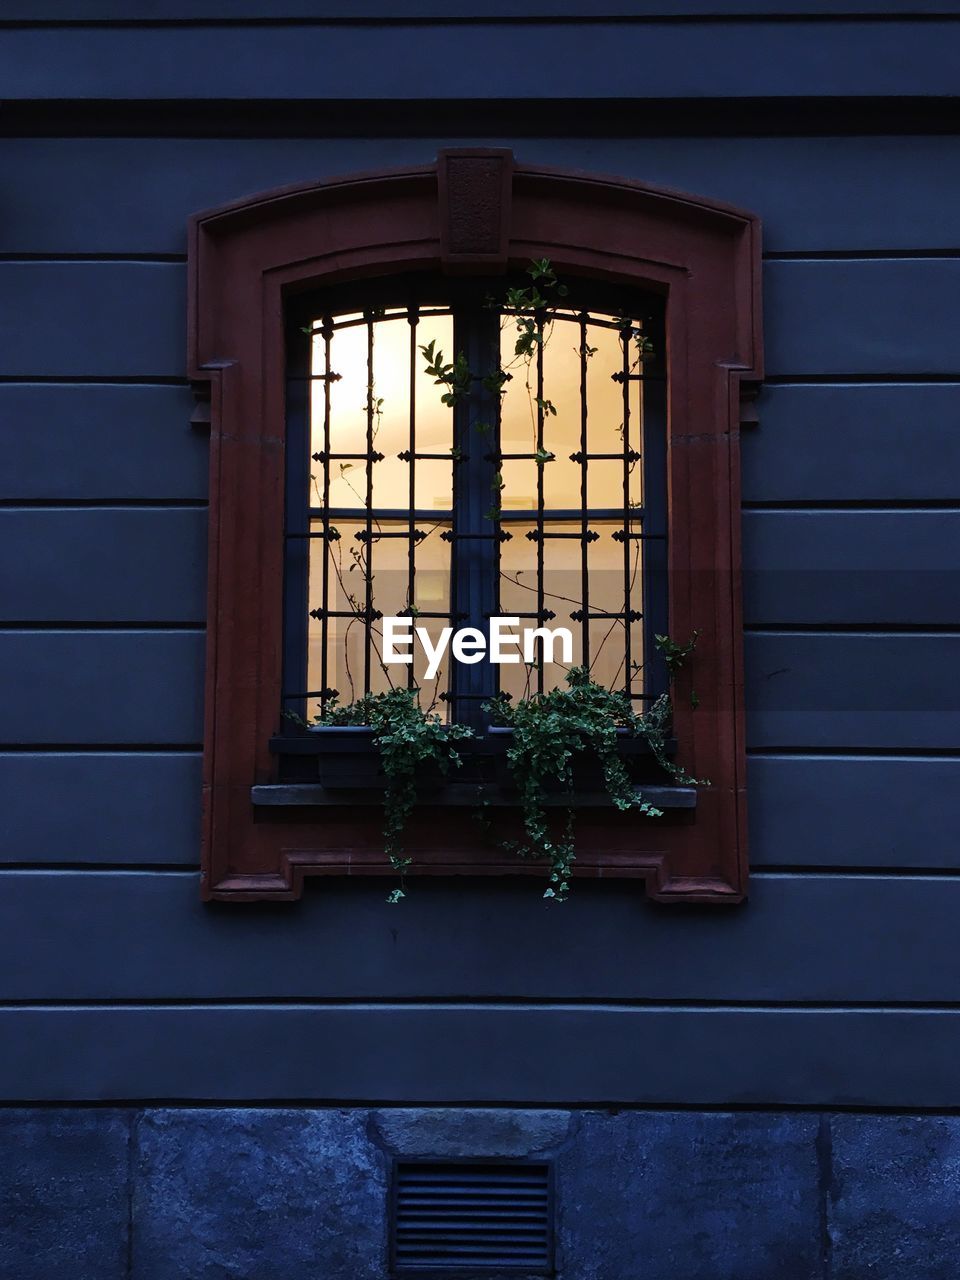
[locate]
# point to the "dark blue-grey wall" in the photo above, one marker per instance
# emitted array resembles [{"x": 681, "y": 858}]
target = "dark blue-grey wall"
[
  {"x": 188, "y": 1090},
  {"x": 837, "y": 985}
]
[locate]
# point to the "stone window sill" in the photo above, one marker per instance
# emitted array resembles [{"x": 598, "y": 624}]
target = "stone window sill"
[{"x": 456, "y": 795}]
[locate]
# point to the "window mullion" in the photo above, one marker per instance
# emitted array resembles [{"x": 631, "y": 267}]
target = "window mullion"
[
  {"x": 327, "y": 334},
  {"x": 541, "y": 541},
  {"x": 475, "y": 553}
]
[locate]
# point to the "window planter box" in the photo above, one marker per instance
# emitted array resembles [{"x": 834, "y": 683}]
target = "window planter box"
[
  {"x": 587, "y": 769},
  {"x": 341, "y": 765},
  {"x": 346, "y": 758}
]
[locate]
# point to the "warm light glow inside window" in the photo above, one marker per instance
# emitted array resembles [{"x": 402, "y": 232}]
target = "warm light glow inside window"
[{"x": 387, "y": 498}]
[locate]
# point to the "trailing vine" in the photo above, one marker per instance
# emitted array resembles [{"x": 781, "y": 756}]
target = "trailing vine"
[
  {"x": 549, "y": 730},
  {"x": 532, "y": 311},
  {"x": 407, "y": 738},
  {"x": 456, "y": 377},
  {"x": 675, "y": 655}
]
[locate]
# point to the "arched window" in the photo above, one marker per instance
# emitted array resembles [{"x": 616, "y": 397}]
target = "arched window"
[
  {"x": 448, "y": 395},
  {"x": 534, "y": 490}
]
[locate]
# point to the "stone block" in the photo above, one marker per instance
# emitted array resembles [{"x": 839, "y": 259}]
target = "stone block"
[
  {"x": 258, "y": 1194},
  {"x": 690, "y": 1196},
  {"x": 895, "y": 1197},
  {"x": 64, "y": 1208},
  {"x": 449, "y": 1133}
]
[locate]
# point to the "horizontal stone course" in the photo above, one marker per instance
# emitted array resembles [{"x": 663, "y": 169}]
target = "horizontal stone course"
[{"x": 295, "y": 1193}]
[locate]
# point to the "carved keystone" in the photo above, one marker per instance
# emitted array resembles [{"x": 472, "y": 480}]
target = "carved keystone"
[{"x": 475, "y": 190}]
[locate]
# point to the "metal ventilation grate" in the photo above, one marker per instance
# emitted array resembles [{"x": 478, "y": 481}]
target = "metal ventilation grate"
[{"x": 471, "y": 1214}]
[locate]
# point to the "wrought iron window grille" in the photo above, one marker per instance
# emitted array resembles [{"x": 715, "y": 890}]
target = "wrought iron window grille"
[{"x": 339, "y": 495}]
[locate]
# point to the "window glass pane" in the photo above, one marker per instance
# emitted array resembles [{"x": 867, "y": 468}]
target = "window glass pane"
[
  {"x": 611, "y": 419},
  {"x": 564, "y": 595},
  {"x": 616, "y": 587},
  {"x": 518, "y": 425},
  {"x": 432, "y": 583},
  {"x": 636, "y": 429},
  {"x": 561, "y": 430},
  {"x": 349, "y": 560},
  {"x": 350, "y": 363},
  {"x": 348, "y": 418},
  {"x": 431, "y": 690},
  {"x": 592, "y": 575},
  {"x": 371, "y": 397},
  {"x": 434, "y": 421},
  {"x": 518, "y": 570}
]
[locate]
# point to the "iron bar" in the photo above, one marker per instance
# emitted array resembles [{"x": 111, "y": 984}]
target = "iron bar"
[
  {"x": 625, "y": 335},
  {"x": 361, "y": 615},
  {"x": 619, "y": 376},
  {"x": 540, "y": 503},
  {"x": 621, "y": 535},
  {"x": 582, "y": 456},
  {"x": 398, "y": 314},
  {"x": 368, "y": 457},
  {"x": 322, "y": 694},
  {"x": 414, "y": 614},
  {"x": 326, "y": 331},
  {"x": 409, "y": 456},
  {"x": 368, "y": 609},
  {"x": 388, "y": 513},
  {"x": 538, "y": 535},
  {"x": 628, "y": 615},
  {"x": 544, "y": 616},
  {"x": 329, "y": 535},
  {"x": 562, "y": 515},
  {"x": 449, "y": 535},
  {"x": 519, "y": 457},
  {"x": 413, "y": 534},
  {"x": 447, "y": 696},
  {"x": 584, "y": 510}
]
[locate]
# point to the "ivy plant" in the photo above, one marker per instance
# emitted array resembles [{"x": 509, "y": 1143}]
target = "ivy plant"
[
  {"x": 456, "y": 377},
  {"x": 408, "y": 738},
  {"x": 531, "y": 308},
  {"x": 549, "y": 730},
  {"x": 675, "y": 656}
]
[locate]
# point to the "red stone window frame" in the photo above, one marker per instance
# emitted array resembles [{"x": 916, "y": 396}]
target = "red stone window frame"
[{"x": 474, "y": 210}]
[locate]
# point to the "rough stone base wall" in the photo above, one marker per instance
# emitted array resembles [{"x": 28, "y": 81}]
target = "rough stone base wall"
[{"x": 206, "y": 1193}]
